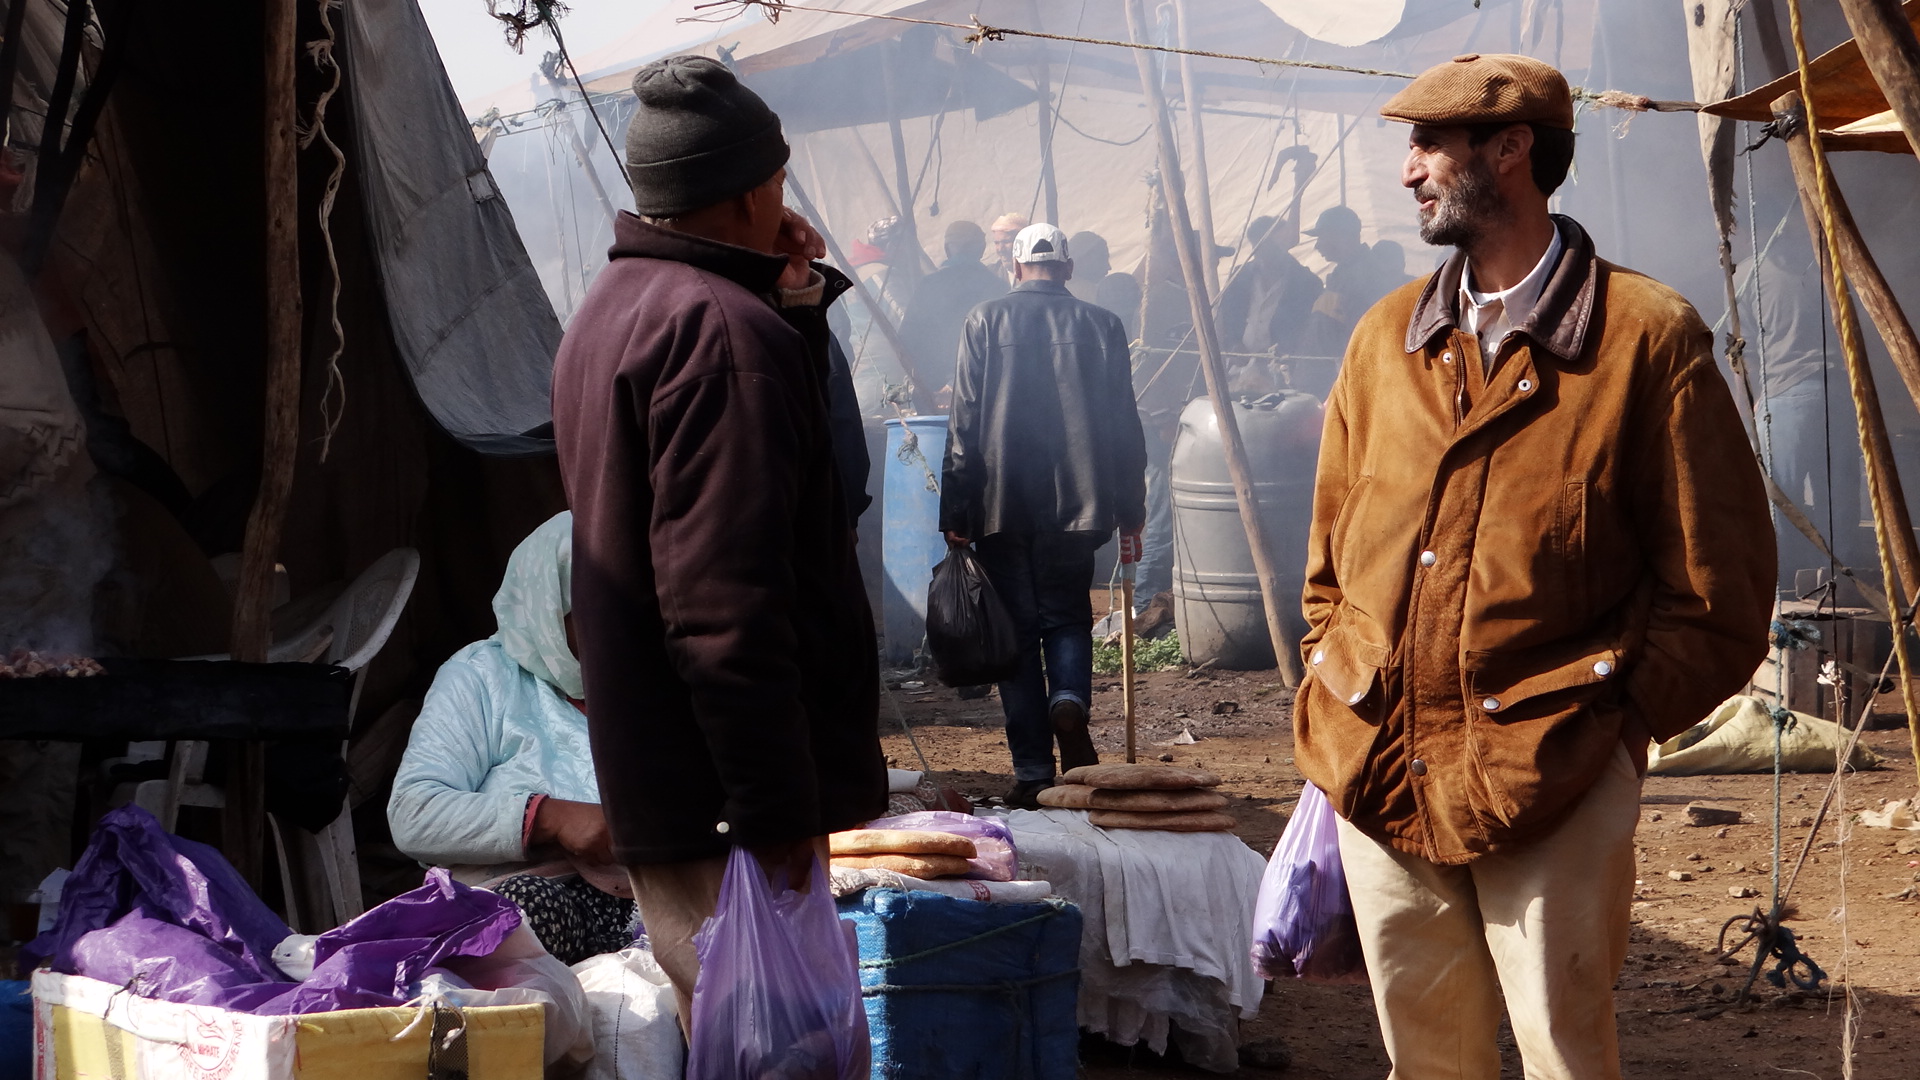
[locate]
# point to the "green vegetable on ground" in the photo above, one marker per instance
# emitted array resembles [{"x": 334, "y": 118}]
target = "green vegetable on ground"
[{"x": 1160, "y": 654}]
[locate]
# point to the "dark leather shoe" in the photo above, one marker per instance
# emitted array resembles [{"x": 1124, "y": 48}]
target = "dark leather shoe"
[
  {"x": 1070, "y": 731},
  {"x": 1024, "y": 794}
]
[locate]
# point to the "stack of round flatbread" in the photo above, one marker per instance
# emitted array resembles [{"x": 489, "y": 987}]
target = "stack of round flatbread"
[
  {"x": 1120, "y": 796},
  {"x": 920, "y": 853}
]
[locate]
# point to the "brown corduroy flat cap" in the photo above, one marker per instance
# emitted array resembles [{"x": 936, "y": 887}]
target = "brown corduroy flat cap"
[{"x": 1477, "y": 89}]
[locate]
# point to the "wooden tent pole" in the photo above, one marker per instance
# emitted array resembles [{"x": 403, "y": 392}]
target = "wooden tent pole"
[
  {"x": 1043, "y": 83},
  {"x": 1203, "y": 187},
  {"x": 1892, "y": 52},
  {"x": 581, "y": 155},
  {"x": 898, "y": 137},
  {"x": 1286, "y": 652},
  {"x": 245, "y": 818},
  {"x": 922, "y": 395},
  {"x": 1863, "y": 272},
  {"x": 1864, "y": 275}
]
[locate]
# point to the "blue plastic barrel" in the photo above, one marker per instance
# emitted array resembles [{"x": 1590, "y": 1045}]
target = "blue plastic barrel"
[{"x": 911, "y": 544}]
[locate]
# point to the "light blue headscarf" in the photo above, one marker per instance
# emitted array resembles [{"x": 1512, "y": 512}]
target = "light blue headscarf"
[{"x": 534, "y": 596}]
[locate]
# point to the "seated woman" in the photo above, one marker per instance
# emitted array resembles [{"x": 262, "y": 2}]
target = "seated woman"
[{"x": 497, "y": 783}]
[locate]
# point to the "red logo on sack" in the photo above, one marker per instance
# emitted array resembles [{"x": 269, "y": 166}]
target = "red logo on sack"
[{"x": 214, "y": 1048}]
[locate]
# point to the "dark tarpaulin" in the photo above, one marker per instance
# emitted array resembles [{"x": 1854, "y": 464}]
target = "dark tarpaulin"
[{"x": 470, "y": 318}]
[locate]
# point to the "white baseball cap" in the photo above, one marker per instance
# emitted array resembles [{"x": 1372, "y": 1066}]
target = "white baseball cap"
[{"x": 1038, "y": 243}]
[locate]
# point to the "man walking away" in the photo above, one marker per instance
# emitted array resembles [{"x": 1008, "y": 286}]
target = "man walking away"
[
  {"x": 931, "y": 329},
  {"x": 1552, "y": 544},
  {"x": 1044, "y": 460},
  {"x": 724, "y": 635}
]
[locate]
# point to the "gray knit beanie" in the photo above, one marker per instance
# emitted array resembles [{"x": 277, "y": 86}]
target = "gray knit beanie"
[{"x": 698, "y": 137}]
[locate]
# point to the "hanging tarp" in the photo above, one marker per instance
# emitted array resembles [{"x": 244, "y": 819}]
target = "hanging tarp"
[
  {"x": 469, "y": 316},
  {"x": 1845, "y": 94}
]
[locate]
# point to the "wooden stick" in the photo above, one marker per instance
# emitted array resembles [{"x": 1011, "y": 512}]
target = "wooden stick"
[
  {"x": 243, "y": 824},
  {"x": 922, "y": 395},
  {"x": 1892, "y": 53},
  {"x": 1862, "y": 272},
  {"x": 1126, "y": 651},
  {"x": 1203, "y": 187},
  {"x": 1286, "y": 652}
]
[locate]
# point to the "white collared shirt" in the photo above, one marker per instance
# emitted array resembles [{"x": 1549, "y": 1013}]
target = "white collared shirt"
[{"x": 1490, "y": 316}]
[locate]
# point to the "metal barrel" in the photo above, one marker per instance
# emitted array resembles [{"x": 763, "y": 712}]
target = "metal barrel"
[{"x": 1216, "y": 595}]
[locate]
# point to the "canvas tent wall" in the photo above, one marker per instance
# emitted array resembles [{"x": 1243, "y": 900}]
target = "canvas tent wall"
[{"x": 153, "y": 281}]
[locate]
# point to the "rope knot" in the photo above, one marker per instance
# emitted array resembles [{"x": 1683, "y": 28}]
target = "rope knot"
[{"x": 1793, "y": 633}]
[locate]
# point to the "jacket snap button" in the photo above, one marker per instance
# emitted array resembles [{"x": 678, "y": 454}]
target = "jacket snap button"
[
  {"x": 1319, "y": 655},
  {"x": 1428, "y": 558},
  {"x": 1526, "y": 385},
  {"x": 1603, "y": 669},
  {"x": 1492, "y": 704},
  {"x": 1446, "y": 358},
  {"x": 1417, "y": 767},
  {"x": 723, "y": 828},
  {"x": 1358, "y": 695}
]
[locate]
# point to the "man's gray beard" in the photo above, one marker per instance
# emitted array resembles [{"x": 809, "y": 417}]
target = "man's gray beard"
[{"x": 1463, "y": 212}]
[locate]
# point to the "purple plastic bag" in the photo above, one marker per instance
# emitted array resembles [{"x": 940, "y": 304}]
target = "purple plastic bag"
[
  {"x": 174, "y": 921},
  {"x": 778, "y": 996},
  {"x": 995, "y": 858},
  {"x": 1303, "y": 923}
]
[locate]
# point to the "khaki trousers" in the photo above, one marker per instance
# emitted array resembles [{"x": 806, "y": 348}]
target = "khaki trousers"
[
  {"x": 675, "y": 900},
  {"x": 1545, "y": 923}
]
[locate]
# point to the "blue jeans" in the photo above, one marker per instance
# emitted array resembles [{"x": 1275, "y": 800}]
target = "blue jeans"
[
  {"x": 1154, "y": 575},
  {"x": 1044, "y": 580}
]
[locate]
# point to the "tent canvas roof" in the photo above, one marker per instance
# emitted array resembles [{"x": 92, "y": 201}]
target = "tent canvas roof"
[{"x": 1241, "y": 27}]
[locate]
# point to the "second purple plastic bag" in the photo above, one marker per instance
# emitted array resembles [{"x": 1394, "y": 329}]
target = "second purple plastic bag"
[
  {"x": 778, "y": 996},
  {"x": 1303, "y": 920}
]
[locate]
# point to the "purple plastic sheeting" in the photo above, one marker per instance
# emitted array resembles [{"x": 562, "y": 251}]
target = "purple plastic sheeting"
[
  {"x": 133, "y": 865},
  {"x": 172, "y": 920},
  {"x": 995, "y": 858},
  {"x": 373, "y": 961}
]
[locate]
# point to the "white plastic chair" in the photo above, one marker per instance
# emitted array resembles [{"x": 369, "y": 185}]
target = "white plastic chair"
[{"x": 349, "y": 634}]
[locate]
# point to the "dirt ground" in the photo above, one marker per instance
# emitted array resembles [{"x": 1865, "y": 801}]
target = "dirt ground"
[{"x": 1675, "y": 1002}]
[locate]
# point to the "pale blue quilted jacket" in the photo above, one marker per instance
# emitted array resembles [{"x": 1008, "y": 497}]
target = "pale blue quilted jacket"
[{"x": 489, "y": 736}]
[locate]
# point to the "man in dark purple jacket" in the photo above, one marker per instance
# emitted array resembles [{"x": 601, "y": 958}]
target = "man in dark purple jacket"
[{"x": 724, "y": 634}]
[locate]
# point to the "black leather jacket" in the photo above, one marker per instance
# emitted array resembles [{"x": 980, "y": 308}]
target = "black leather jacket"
[{"x": 1044, "y": 436}]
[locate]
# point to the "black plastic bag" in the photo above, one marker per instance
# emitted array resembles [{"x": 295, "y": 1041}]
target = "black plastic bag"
[{"x": 969, "y": 632}]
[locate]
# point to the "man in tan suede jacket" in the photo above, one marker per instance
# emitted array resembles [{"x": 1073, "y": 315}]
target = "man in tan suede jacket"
[{"x": 1538, "y": 540}]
